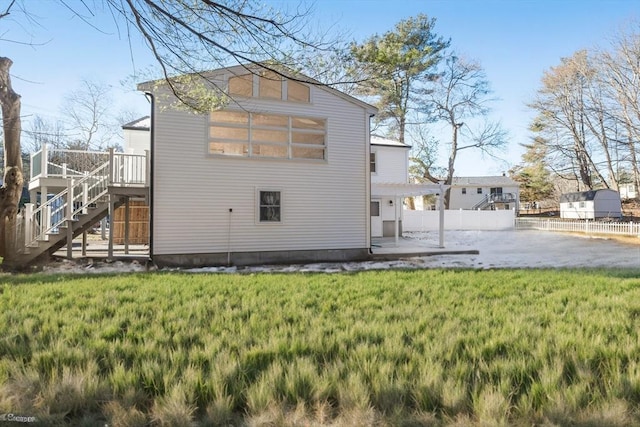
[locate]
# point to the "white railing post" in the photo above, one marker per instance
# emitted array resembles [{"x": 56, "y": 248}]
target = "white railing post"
[
  {"x": 28, "y": 223},
  {"x": 44, "y": 162},
  {"x": 64, "y": 170},
  {"x": 85, "y": 197},
  {"x": 147, "y": 167},
  {"x": 111, "y": 166},
  {"x": 70, "y": 219}
]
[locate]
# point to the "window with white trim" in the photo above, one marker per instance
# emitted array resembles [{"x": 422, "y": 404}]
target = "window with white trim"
[
  {"x": 239, "y": 133},
  {"x": 464, "y": 190},
  {"x": 269, "y": 85},
  {"x": 372, "y": 161},
  {"x": 270, "y": 206}
]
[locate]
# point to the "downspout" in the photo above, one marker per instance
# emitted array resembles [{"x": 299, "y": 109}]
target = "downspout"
[
  {"x": 367, "y": 208},
  {"x": 152, "y": 154}
]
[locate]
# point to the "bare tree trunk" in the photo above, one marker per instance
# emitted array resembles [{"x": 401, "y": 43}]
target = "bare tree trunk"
[
  {"x": 11, "y": 189},
  {"x": 452, "y": 162}
]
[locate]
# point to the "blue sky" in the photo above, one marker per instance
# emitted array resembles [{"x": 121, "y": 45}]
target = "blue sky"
[{"x": 515, "y": 41}]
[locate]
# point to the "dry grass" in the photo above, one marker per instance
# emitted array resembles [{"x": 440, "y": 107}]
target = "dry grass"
[{"x": 388, "y": 348}]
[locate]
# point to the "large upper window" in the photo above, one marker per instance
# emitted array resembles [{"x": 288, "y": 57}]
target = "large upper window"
[
  {"x": 269, "y": 85},
  {"x": 238, "y": 133}
]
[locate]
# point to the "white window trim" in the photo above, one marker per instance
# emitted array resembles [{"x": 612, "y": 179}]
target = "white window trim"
[
  {"x": 257, "y": 206},
  {"x": 284, "y": 91},
  {"x": 289, "y": 144}
]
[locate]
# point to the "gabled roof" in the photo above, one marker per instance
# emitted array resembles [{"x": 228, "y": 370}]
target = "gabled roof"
[
  {"x": 143, "y": 123},
  {"x": 481, "y": 181},
  {"x": 244, "y": 68},
  {"x": 381, "y": 141},
  {"x": 582, "y": 196}
]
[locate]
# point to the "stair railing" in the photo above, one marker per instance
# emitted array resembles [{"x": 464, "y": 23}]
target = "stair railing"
[{"x": 66, "y": 205}]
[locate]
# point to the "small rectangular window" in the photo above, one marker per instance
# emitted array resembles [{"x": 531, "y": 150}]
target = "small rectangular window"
[
  {"x": 372, "y": 160},
  {"x": 375, "y": 208},
  {"x": 582, "y": 204},
  {"x": 270, "y": 206},
  {"x": 464, "y": 190},
  {"x": 479, "y": 190}
]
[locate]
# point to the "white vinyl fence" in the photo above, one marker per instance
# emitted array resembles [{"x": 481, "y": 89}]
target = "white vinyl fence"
[
  {"x": 458, "y": 220},
  {"x": 586, "y": 226}
]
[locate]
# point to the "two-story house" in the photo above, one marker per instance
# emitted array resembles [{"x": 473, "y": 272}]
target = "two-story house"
[
  {"x": 484, "y": 193},
  {"x": 281, "y": 174}
]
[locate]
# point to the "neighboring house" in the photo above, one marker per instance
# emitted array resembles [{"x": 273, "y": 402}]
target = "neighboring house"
[
  {"x": 389, "y": 165},
  {"x": 280, "y": 175},
  {"x": 137, "y": 139},
  {"x": 604, "y": 203},
  {"x": 627, "y": 191},
  {"x": 484, "y": 193}
]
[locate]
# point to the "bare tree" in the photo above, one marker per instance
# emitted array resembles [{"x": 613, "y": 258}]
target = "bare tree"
[
  {"x": 620, "y": 68},
  {"x": 41, "y": 131},
  {"x": 89, "y": 112},
  {"x": 460, "y": 95}
]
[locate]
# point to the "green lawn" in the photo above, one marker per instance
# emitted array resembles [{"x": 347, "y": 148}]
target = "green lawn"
[{"x": 432, "y": 347}]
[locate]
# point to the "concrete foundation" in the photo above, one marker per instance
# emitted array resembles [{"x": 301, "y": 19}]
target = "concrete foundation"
[{"x": 258, "y": 258}]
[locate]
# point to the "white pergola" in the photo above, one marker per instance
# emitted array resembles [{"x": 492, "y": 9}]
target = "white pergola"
[{"x": 398, "y": 191}]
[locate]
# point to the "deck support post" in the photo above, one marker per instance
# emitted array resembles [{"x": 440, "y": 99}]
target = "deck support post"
[
  {"x": 112, "y": 208},
  {"x": 126, "y": 226}
]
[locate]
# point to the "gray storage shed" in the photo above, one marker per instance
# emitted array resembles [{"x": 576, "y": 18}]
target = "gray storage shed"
[{"x": 604, "y": 203}]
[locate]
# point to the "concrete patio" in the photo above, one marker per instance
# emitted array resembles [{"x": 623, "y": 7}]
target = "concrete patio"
[{"x": 387, "y": 248}]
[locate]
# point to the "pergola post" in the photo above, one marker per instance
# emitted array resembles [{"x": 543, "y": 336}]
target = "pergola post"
[{"x": 441, "y": 207}]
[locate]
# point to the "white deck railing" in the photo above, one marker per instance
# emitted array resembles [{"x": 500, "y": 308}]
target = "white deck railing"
[
  {"x": 125, "y": 170},
  {"x": 88, "y": 177},
  {"x": 579, "y": 226},
  {"x": 59, "y": 163}
]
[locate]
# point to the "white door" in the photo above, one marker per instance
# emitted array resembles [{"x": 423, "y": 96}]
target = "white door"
[{"x": 376, "y": 219}]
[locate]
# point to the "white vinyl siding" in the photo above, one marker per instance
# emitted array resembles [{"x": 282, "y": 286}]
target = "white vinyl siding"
[
  {"x": 207, "y": 204},
  {"x": 391, "y": 164}
]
